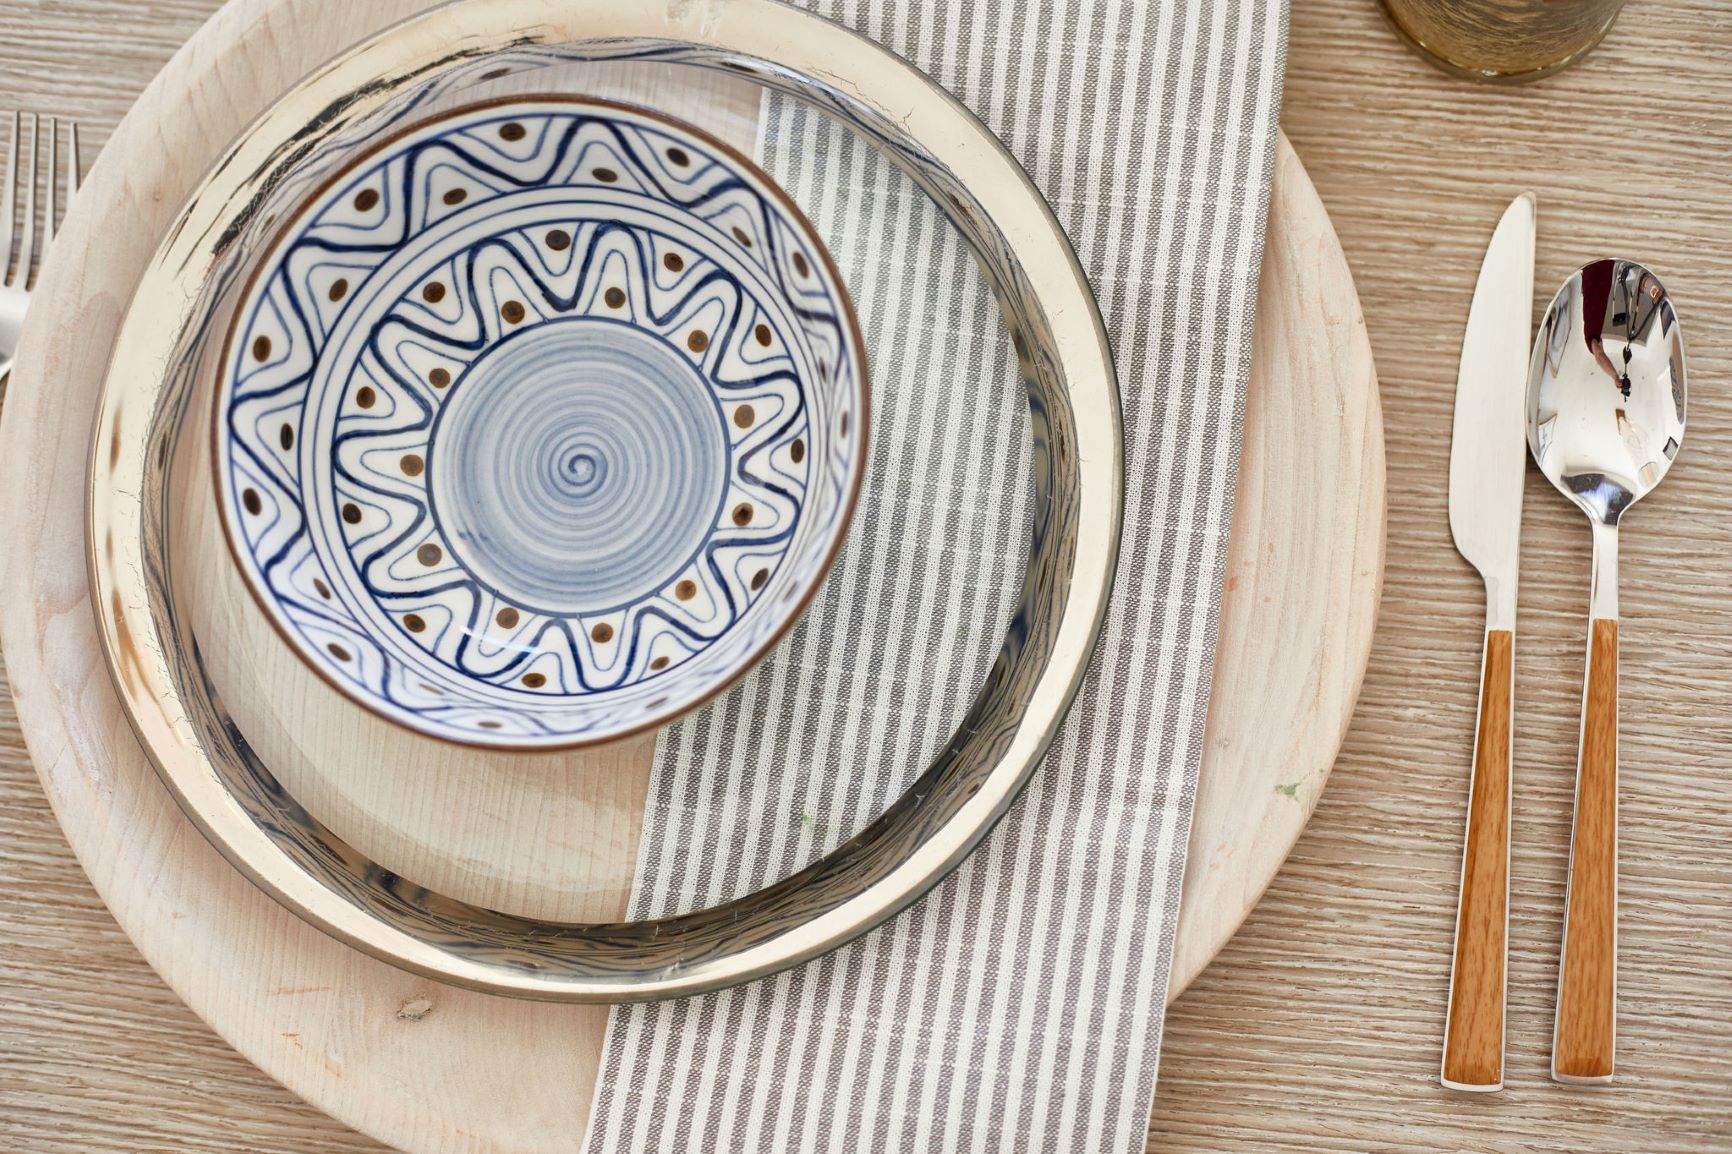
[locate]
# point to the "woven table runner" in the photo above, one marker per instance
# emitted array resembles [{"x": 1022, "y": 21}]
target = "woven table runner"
[{"x": 1018, "y": 1006}]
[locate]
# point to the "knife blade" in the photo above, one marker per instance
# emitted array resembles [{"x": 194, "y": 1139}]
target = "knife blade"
[
  {"x": 1488, "y": 449},
  {"x": 1487, "y": 468}
]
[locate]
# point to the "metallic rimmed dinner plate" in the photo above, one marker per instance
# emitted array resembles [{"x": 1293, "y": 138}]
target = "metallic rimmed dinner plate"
[{"x": 163, "y": 357}]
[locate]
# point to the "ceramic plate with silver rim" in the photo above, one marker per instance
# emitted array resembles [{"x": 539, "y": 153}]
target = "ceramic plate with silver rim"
[
  {"x": 167, "y": 350},
  {"x": 540, "y": 422}
]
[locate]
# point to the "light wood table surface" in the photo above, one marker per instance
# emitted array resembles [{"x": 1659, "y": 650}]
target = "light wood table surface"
[{"x": 1318, "y": 1027}]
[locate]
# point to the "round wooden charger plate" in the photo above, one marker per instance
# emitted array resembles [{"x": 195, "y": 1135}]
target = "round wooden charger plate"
[{"x": 431, "y": 1068}]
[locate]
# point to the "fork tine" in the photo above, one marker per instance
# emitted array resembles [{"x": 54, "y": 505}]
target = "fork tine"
[
  {"x": 27, "y": 243},
  {"x": 72, "y": 161},
  {"x": 53, "y": 171},
  {"x": 11, "y": 209}
]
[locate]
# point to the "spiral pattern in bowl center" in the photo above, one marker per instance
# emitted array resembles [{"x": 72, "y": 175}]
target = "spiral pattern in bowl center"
[{"x": 578, "y": 466}]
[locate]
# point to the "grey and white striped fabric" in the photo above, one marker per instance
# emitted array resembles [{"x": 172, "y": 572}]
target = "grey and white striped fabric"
[{"x": 1018, "y": 1007}]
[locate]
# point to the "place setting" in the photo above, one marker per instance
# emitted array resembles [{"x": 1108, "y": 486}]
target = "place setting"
[
  {"x": 595, "y": 576},
  {"x": 1603, "y": 413}
]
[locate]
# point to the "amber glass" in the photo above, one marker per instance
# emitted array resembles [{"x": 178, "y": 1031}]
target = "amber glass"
[{"x": 1502, "y": 40}]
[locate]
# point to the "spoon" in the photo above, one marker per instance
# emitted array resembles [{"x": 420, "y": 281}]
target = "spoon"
[{"x": 1605, "y": 412}]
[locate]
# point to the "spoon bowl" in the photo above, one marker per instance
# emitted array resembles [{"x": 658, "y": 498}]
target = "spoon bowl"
[
  {"x": 1605, "y": 416},
  {"x": 1606, "y": 388}
]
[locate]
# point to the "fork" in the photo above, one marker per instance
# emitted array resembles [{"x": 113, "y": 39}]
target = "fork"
[{"x": 20, "y": 268}]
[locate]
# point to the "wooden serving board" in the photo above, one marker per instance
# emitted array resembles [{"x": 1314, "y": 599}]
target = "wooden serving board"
[{"x": 430, "y": 1068}]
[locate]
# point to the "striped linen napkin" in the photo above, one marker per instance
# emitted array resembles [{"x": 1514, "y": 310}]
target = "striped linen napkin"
[{"x": 1018, "y": 1006}]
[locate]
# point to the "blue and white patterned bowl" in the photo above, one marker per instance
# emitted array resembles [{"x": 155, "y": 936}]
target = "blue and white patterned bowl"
[{"x": 541, "y": 423}]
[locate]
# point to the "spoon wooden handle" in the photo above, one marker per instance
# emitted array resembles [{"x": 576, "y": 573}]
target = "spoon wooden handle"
[
  {"x": 1582, "y": 1041},
  {"x": 1473, "y": 1033}
]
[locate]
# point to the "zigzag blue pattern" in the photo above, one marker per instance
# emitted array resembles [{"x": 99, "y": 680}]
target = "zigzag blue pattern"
[{"x": 401, "y": 286}]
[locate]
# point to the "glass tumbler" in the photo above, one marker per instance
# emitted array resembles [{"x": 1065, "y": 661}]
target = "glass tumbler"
[{"x": 1505, "y": 41}]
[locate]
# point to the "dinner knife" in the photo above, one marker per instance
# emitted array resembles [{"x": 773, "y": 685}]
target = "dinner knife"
[{"x": 1487, "y": 467}]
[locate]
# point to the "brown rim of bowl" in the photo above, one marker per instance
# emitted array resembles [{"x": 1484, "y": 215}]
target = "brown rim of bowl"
[{"x": 850, "y": 499}]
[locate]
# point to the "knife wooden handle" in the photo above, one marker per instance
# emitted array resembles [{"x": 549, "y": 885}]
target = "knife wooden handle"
[
  {"x": 1473, "y": 1032},
  {"x": 1587, "y": 973}
]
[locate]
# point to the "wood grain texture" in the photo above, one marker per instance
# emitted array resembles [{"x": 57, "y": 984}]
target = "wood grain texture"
[
  {"x": 1303, "y": 575},
  {"x": 1588, "y": 969},
  {"x": 1473, "y": 1033},
  {"x": 1318, "y": 1027}
]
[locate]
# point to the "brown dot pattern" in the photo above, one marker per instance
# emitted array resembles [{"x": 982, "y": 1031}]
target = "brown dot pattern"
[
  {"x": 286, "y": 437},
  {"x": 338, "y": 651},
  {"x": 250, "y": 501},
  {"x": 262, "y": 349},
  {"x": 797, "y": 450},
  {"x": 322, "y": 589},
  {"x": 514, "y": 312}
]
